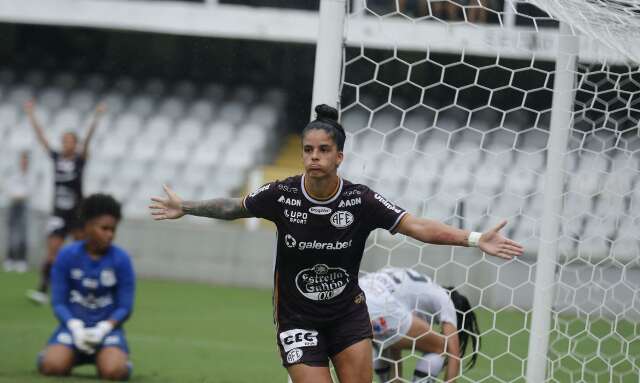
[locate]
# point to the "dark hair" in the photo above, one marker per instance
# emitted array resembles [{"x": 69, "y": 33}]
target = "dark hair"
[
  {"x": 97, "y": 205},
  {"x": 467, "y": 325},
  {"x": 327, "y": 120}
]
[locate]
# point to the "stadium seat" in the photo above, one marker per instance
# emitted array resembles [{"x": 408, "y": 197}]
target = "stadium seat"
[
  {"x": 187, "y": 131},
  {"x": 51, "y": 98},
  {"x": 142, "y": 105},
  {"x": 65, "y": 80},
  {"x": 82, "y": 100},
  {"x": 9, "y": 114},
  {"x": 202, "y": 110},
  {"x": 171, "y": 107},
  {"x": 233, "y": 112},
  {"x": 158, "y": 129}
]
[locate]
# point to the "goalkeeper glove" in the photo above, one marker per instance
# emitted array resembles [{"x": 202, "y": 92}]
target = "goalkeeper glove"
[
  {"x": 79, "y": 335},
  {"x": 96, "y": 334}
]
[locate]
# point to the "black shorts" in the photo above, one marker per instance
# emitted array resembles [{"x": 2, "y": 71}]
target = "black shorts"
[
  {"x": 315, "y": 344},
  {"x": 60, "y": 224}
]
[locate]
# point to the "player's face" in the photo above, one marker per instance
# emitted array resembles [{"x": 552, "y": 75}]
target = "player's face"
[
  {"x": 320, "y": 154},
  {"x": 101, "y": 231},
  {"x": 69, "y": 143}
]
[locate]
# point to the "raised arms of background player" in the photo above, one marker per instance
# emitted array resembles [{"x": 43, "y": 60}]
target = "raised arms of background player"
[{"x": 42, "y": 139}]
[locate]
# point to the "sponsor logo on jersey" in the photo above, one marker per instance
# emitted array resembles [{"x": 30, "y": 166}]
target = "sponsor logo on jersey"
[
  {"x": 260, "y": 190},
  {"x": 77, "y": 273},
  {"x": 350, "y": 202},
  {"x": 290, "y": 241},
  {"x": 341, "y": 219},
  {"x": 107, "y": 277},
  {"x": 288, "y": 189},
  {"x": 90, "y": 301},
  {"x": 321, "y": 282},
  {"x": 90, "y": 283},
  {"x": 320, "y": 210},
  {"x": 386, "y": 203},
  {"x": 297, "y": 338},
  {"x": 294, "y": 355},
  {"x": 296, "y": 216},
  {"x": 351, "y": 192},
  {"x": 289, "y": 201}
]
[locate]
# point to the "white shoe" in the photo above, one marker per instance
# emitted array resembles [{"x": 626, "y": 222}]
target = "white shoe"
[
  {"x": 20, "y": 267},
  {"x": 38, "y": 297},
  {"x": 8, "y": 265}
]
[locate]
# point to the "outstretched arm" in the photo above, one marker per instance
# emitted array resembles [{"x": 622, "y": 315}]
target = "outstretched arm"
[
  {"x": 100, "y": 109},
  {"x": 173, "y": 207},
  {"x": 437, "y": 233},
  {"x": 29, "y": 109}
]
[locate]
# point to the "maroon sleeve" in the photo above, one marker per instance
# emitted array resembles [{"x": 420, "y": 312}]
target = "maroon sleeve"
[
  {"x": 382, "y": 214},
  {"x": 262, "y": 202}
]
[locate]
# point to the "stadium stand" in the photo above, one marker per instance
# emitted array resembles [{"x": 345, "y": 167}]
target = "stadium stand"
[{"x": 153, "y": 132}]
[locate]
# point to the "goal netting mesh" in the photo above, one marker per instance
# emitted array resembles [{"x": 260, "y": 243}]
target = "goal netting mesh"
[{"x": 447, "y": 107}]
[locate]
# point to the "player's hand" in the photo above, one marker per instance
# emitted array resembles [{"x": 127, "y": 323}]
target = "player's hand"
[
  {"x": 96, "y": 334},
  {"x": 79, "y": 335},
  {"x": 29, "y": 106},
  {"x": 493, "y": 243},
  {"x": 101, "y": 109},
  {"x": 166, "y": 208}
]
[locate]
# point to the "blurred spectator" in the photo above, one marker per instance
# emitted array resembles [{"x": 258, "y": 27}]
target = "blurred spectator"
[{"x": 18, "y": 187}]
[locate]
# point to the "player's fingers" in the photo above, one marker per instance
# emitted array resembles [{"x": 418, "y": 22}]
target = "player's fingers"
[
  {"x": 499, "y": 226},
  {"x": 159, "y": 200},
  {"x": 157, "y": 206},
  {"x": 514, "y": 244},
  {"x": 159, "y": 217},
  {"x": 170, "y": 193}
]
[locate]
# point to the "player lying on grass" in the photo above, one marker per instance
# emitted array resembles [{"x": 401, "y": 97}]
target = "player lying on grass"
[
  {"x": 92, "y": 285},
  {"x": 323, "y": 222},
  {"x": 404, "y": 306}
]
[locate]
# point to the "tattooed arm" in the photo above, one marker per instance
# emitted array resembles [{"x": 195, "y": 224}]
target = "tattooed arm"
[
  {"x": 173, "y": 207},
  {"x": 220, "y": 208}
]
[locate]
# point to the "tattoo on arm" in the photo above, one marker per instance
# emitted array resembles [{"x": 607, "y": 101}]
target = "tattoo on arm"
[{"x": 220, "y": 208}]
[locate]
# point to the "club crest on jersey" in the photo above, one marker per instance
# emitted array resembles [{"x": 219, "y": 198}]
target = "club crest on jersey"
[
  {"x": 350, "y": 202},
  {"x": 294, "y": 355},
  {"x": 296, "y": 216},
  {"x": 289, "y": 201},
  {"x": 341, "y": 219},
  {"x": 321, "y": 282},
  {"x": 77, "y": 273},
  {"x": 320, "y": 210}
]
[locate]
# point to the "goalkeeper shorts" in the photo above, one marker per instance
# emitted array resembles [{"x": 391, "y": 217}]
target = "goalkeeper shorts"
[{"x": 115, "y": 338}]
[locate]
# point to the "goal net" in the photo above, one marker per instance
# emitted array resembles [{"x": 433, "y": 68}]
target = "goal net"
[{"x": 448, "y": 108}]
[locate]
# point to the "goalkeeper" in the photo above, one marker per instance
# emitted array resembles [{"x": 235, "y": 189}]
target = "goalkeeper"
[
  {"x": 404, "y": 305},
  {"x": 93, "y": 286}
]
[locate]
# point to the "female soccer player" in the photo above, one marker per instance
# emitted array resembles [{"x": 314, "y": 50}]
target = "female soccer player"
[
  {"x": 323, "y": 222},
  {"x": 68, "y": 168},
  {"x": 403, "y": 306},
  {"x": 92, "y": 292}
]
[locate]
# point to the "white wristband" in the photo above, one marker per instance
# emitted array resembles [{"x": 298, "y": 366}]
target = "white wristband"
[{"x": 474, "y": 238}]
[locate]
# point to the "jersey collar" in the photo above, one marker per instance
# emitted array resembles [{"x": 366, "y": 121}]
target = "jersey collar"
[{"x": 325, "y": 202}]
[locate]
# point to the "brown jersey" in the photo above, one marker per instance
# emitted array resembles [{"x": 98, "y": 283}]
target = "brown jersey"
[{"x": 320, "y": 245}]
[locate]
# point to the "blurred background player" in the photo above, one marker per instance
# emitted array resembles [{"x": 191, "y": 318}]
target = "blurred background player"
[
  {"x": 68, "y": 169},
  {"x": 404, "y": 306},
  {"x": 18, "y": 186},
  {"x": 93, "y": 287},
  {"x": 323, "y": 222}
]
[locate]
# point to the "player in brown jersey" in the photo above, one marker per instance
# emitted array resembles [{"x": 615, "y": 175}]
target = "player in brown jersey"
[{"x": 323, "y": 222}]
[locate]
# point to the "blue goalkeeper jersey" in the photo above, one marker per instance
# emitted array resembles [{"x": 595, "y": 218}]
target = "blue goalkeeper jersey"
[{"x": 92, "y": 290}]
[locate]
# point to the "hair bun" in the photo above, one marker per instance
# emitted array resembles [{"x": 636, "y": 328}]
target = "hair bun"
[{"x": 325, "y": 111}]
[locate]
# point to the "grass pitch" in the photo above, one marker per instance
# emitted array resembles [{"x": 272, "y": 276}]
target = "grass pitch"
[{"x": 189, "y": 332}]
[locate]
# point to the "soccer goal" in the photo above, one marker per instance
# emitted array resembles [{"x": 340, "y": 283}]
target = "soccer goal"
[{"x": 473, "y": 111}]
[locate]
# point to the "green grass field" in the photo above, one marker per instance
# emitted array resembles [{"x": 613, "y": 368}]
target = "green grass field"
[{"x": 189, "y": 332}]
